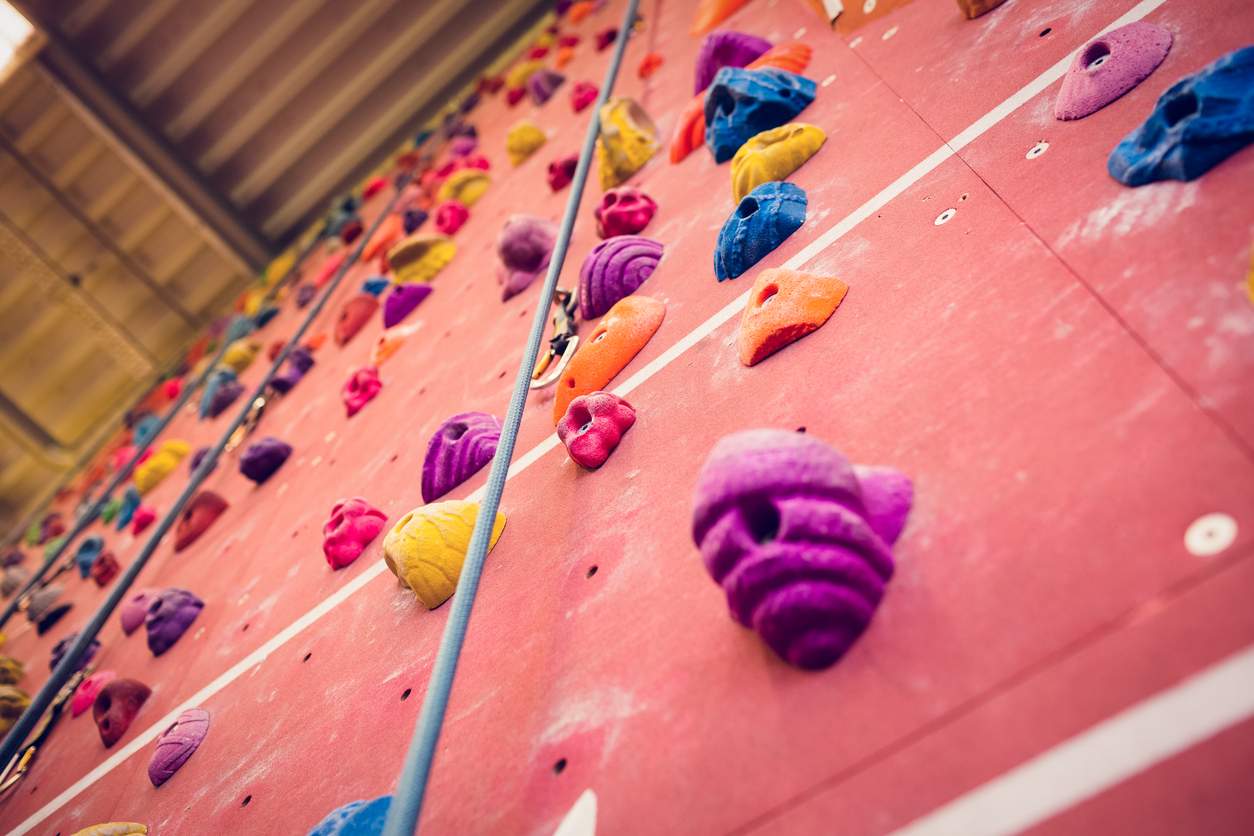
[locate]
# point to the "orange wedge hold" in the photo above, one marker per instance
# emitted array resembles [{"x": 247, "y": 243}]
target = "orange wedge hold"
[
  {"x": 711, "y": 13},
  {"x": 618, "y": 337},
  {"x": 784, "y": 306},
  {"x": 388, "y": 232}
]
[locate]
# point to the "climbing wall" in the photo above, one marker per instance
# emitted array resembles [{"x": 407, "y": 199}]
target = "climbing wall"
[{"x": 1062, "y": 366}]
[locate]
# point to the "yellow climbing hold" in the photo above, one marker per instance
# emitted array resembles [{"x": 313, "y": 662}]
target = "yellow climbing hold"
[
  {"x": 773, "y": 155},
  {"x": 466, "y": 185},
  {"x": 426, "y": 548},
  {"x": 523, "y": 140},
  {"x": 518, "y": 76},
  {"x": 11, "y": 670},
  {"x": 628, "y": 139},
  {"x": 421, "y": 256},
  {"x": 113, "y": 828},
  {"x": 160, "y": 464},
  {"x": 12, "y": 703},
  {"x": 240, "y": 354}
]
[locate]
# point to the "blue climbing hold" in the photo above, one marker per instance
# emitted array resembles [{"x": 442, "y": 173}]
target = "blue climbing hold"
[
  {"x": 145, "y": 429},
  {"x": 761, "y": 222},
  {"x": 219, "y": 376},
  {"x": 239, "y": 326},
  {"x": 1198, "y": 123},
  {"x": 374, "y": 285},
  {"x": 130, "y": 501},
  {"x": 356, "y": 818},
  {"x": 265, "y": 315},
  {"x": 740, "y": 104},
  {"x": 88, "y": 551}
]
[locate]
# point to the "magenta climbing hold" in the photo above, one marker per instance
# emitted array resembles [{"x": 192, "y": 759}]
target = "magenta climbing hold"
[
  {"x": 135, "y": 609},
  {"x": 145, "y": 515},
  {"x": 623, "y": 211},
  {"x": 562, "y": 171},
  {"x": 263, "y": 458},
  {"x": 524, "y": 247},
  {"x": 169, "y": 615},
  {"x": 725, "y": 48},
  {"x": 542, "y": 84},
  {"x": 354, "y": 523},
  {"x": 1110, "y": 66},
  {"x": 87, "y": 690},
  {"x": 799, "y": 539},
  {"x": 450, "y": 215},
  {"x": 116, "y": 706},
  {"x": 403, "y": 299},
  {"x": 582, "y": 94},
  {"x": 177, "y": 743},
  {"x": 615, "y": 268},
  {"x": 462, "y": 146},
  {"x": 593, "y": 425},
  {"x": 360, "y": 388},
  {"x": 63, "y": 647},
  {"x": 462, "y": 446}
]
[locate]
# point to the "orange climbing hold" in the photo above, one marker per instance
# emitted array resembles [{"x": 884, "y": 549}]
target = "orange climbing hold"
[
  {"x": 971, "y": 9},
  {"x": 649, "y": 64},
  {"x": 711, "y": 13},
  {"x": 784, "y": 306},
  {"x": 387, "y": 234},
  {"x": 793, "y": 57},
  {"x": 618, "y": 337},
  {"x": 578, "y": 11}
]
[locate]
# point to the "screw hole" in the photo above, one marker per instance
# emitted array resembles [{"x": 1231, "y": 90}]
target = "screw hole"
[
  {"x": 405, "y": 695},
  {"x": 801, "y": 429},
  {"x": 247, "y": 799},
  {"x": 1046, "y": 31},
  {"x": 590, "y": 572},
  {"x": 244, "y": 628},
  {"x": 501, "y": 375},
  {"x": 395, "y": 456},
  {"x": 307, "y": 656},
  {"x": 559, "y": 766}
]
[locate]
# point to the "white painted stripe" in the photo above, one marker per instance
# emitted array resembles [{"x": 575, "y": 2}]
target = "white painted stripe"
[
  {"x": 1109, "y": 753},
  {"x": 529, "y": 458}
]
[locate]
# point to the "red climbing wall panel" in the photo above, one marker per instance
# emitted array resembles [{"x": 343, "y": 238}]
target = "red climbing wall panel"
[{"x": 1063, "y": 369}]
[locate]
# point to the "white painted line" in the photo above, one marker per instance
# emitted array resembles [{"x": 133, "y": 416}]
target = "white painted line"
[{"x": 1109, "y": 753}]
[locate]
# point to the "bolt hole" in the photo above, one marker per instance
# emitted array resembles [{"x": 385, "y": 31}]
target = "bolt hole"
[
  {"x": 32, "y": 790},
  {"x": 1179, "y": 109},
  {"x": 801, "y": 429},
  {"x": 405, "y": 695},
  {"x": 559, "y": 766},
  {"x": 244, "y": 628},
  {"x": 395, "y": 456},
  {"x": 307, "y": 656},
  {"x": 501, "y": 375},
  {"x": 590, "y": 572},
  {"x": 247, "y": 799},
  {"x": 1046, "y": 31},
  {"x": 763, "y": 521}
]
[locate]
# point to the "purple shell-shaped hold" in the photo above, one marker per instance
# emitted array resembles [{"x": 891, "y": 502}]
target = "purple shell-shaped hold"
[
  {"x": 176, "y": 744},
  {"x": 305, "y": 294},
  {"x": 542, "y": 83},
  {"x": 264, "y": 457},
  {"x": 462, "y": 146},
  {"x": 299, "y": 361},
  {"x": 169, "y": 616},
  {"x": 724, "y": 48},
  {"x": 198, "y": 457},
  {"x": 524, "y": 248},
  {"x": 403, "y": 299},
  {"x": 799, "y": 539},
  {"x": 613, "y": 270},
  {"x": 135, "y": 609},
  {"x": 63, "y": 647},
  {"x": 414, "y": 218},
  {"x": 226, "y": 394},
  {"x": 459, "y": 449}
]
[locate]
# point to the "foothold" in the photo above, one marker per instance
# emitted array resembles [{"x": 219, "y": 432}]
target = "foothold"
[
  {"x": 420, "y": 257},
  {"x": 87, "y": 552},
  {"x": 1200, "y": 121},
  {"x": 623, "y": 211},
  {"x": 517, "y": 77},
  {"x": 14, "y": 578},
  {"x": 354, "y": 523},
  {"x": 565, "y": 54},
  {"x": 606, "y": 38},
  {"x": 305, "y": 294},
  {"x": 412, "y": 219},
  {"x": 404, "y": 298},
  {"x": 360, "y": 388},
  {"x": 462, "y": 446},
  {"x": 145, "y": 428},
  {"x": 162, "y": 464},
  {"x": 135, "y": 609},
  {"x": 389, "y": 342},
  {"x": 332, "y": 263},
  {"x": 466, "y": 185},
  {"x": 524, "y": 247},
  {"x": 514, "y": 95},
  {"x": 580, "y": 10},
  {"x": 262, "y": 317},
  {"x": 523, "y": 140},
  {"x": 42, "y": 600},
  {"x": 373, "y": 187},
  {"x": 743, "y": 103},
  {"x": 126, "y": 509},
  {"x": 88, "y": 689},
  {"x": 104, "y": 568},
  {"x": 110, "y": 510},
  {"x": 374, "y": 285},
  {"x": 689, "y": 129},
  {"x": 389, "y": 232},
  {"x": 562, "y": 171},
  {"x": 593, "y": 425},
  {"x": 627, "y": 141},
  {"x": 176, "y": 744},
  {"x": 614, "y": 269},
  {"x": 51, "y": 617},
  {"x": 353, "y": 316},
  {"x": 224, "y": 395},
  {"x": 52, "y": 526},
  {"x": 351, "y": 230},
  {"x": 13, "y": 703},
  {"x": 63, "y": 647},
  {"x": 12, "y": 557},
  {"x": 449, "y": 216},
  {"x": 198, "y": 515},
  {"x": 317, "y": 341},
  {"x": 357, "y": 818},
  {"x": 763, "y": 220},
  {"x": 263, "y": 458},
  {"x": 169, "y": 615},
  {"x": 542, "y": 84},
  {"x": 725, "y": 48},
  {"x": 113, "y": 828},
  {"x": 116, "y": 706},
  {"x": 427, "y": 546},
  {"x": 11, "y": 670},
  {"x": 462, "y": 146},
  {"x": 299, "y": 361},
  {"x": 711, "y": 13},
  {"x": 616, "y": 339},
  {"x": 971, "y": 9},
  {"x": 582, "y": 94},
  {"x": 773, "y": 155},
  {"x": 239, "y": 355},
  {"x": 219, "y": 377},
  {"x": 145, "y": 515},
  {"x": 784, "y": 306},
  {"x": 1110, "y": 66},
  {"x": 649, "y": 64},
  {"x": 799, "y": 539}
]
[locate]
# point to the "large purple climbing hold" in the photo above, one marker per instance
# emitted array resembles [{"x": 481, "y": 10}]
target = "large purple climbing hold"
[
  {"x": 176, "y": 744},
  {"x": 614, "y": 269},
  {"x": 63, "y": 647},
  {"x": 724, "y": 48},
  {"x": 1110, "y": 66},
  {"x": 799, "y": 539},
  {"x": 741, "y": 104},
  {"x": 135, "y": 609},
  {"x": 264, "y": 457},
  {"x": 524, "y": 248},
  {"x": 460, "y": 448},
  {"x": 169, "y": 615},
  {"x": 403, "y": 299},
  {"x": 541, "y": 85},
  {"x": 299, "y": 361}
]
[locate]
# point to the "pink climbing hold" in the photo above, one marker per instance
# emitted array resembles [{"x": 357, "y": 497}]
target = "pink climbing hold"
[
  {"x": 1110, "y": 66},
  {"x": 88, "y": 689},
  {"x": 593, "y": 425},
  {"x": 562, "y": 171},
  {"x": 353, "y": 523},
  {"x": 582, "y": 94},
  {"x": 360, "y": 388},
  {"x": 523, "y": 248},
  {"x": 135, "y": 609},
  {"x": 623, "y": 211},
  {"x": 145, "y": 515},
  {"x": 177, "y": 743},
  {"x": 450, "y": 215}
]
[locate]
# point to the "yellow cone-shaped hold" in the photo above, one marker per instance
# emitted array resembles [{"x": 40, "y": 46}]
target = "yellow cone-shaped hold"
[
  {"x": 523, "y": 140},
  {"x": 12, "y": 703},
  {"x": 628, "y": 139},
  {"x": 518, "y": 76},
  {"x": 11, "y": 670},
  {"x": 421, "y": 256},
  {"x": 427, "y": 547},
  {"x": 773, "y": 155},
  {"x": 160, "y": 464},
  {"x": 113, "y": 828},
  {"x": 240, "y": 354},
  {"x": 466, "y": 185}
]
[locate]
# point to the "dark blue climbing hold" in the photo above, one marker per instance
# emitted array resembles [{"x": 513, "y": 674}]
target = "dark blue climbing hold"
[
  {"x": 145, "y": 428},
  {"x": 63, "y": 647},
  {"x": 88, "y": 551},
  {"x": 761, "y": 222},
  {"x": 356, "y": 818},
  {"x": 130, "y": 501},
  {"x": 265, "y": 315},
  {"x": 412, "y": 219},
  {"x": 217, "y": 378},
  {"x": 741, "y": 104},
  {"x": 374, "y": 285},
  {"x": 1198, "y": 123}
]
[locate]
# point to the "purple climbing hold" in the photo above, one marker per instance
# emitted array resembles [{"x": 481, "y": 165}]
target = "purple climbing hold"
[
  {"x": 135, "y": 609},
  {"x": 305, "y": 294},
  {"x": 169, "y": 615},
  {"x": 226, "y": 393},
  {"x": 403, "y": 299},
  {"x": 460, "y": 448},
  {"x": 724, "y": 48},
  {"x": 524, "y": 248},
  {"x": 63, "y": 647},
  {"x": 176, "y": 744},
  {"x": 1110, "y": 66},
  {"x": 264, "y": 457},
  {"x": 541, "y": 85},
  {"x": 414, "y": 218},
  {"x": 195, "y": 460},
  {"x": 299, "y": 361},
  {"x": 799, "y": 539},
  {"x": 462, "y": 146},
  {"x": 614, "y": 269}
]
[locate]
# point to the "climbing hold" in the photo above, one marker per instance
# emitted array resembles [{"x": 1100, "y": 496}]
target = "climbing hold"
[
  {"x": 1200, "y": 121},
  {"x": 11, "y": 670},
  {"x": 176, "y": 744},
  {"x": 374, "y": 285},
  {"x": 388, "y": 233},
  {"x": 773, "y": 155},
  {"x": 262, "y": 317},
  {"x": 798, "y": 538},
  {"x": 299, "y": 361},
  {"x": 404, "y": 298},
  {"x": 126, "y": 511},
  {"x": 449, "y": 216},
  {"x": 389, "y": 342},
  {"x": 462, "y": 446},
  {"x": 628, "y": 139},
  {"x": 50, "y": 617},
  {"x": 689, "y": 129},
  {"x": 12, "y": 557},
  {"x": 135, "y": 609},
  {"x": 517, "y": 77},
  {"x": 593, "y": 425},
  {"x": 743, "y": 103},
  {"x": 86, "y": 554},
  {"x": 793, "y": 57},
  {"x": 606, "y": 37},
  {"x": 219, "y": 377},
  {"x": 353, "y": 523},
  {"x": 1110, "y": 66},
  {"x": 427, "y": 546},
  {"x": 88, "y": 689},
  {"x": 542, "y": 84},
  {"x": 523, "y": 140},
  {"x": 411, "y": 219},
  {"x": 145, "y": 515},
  {"x": 14, "y": 578},
  {"x": 263, "y": 458},
  {"x": 13, "y": 702},
  {"x": 317, "y": 341},
  {"x": 198, "y": 515},
  {"x": 116, "y": 706},
  {"x": 462, "y": 146},
  {"x": 784, "y": 306},
  {"x": 580, "y": 10},
  {"x": 761, "y": 222},
  {"x": 649, "y": 64},
  {"x": 562, "y": 171},
  {"x": 582, "y": 94},
  {"x": 514, "y": 95},
  {"x": 110, "y": 510},
  {"x": 357, "y": 818},
  {"x": 711, "y": 13},
  {"x": 466, "y": 185},
  {"x": 146, "y": 427},
  {"x": 565, "y": 54},
  {"x": 305, "y": 294},
  {"x": 360, "y": 388},
  {"x": 169, "y": 615},
  {"x": 239, "y": 355},
  {"x": 104, "y": 568},
  {"x": 623, "y": 211},
  {"x": 971, "y": 9},
  {"x": 332, "y": 264},
  {"x": 725, "y": 48},
  {"x": 113, "y": 828},
  {"x": 63, "y": 647},
  {"x": 420, "y": 257},
  {"x": 354, "y": 315},
  {"x": 373, "y": 187},
  {"x": 616, "y": 339},
  {"x": 225, "y": 394},
  {"x": 615, "y": 268},
  {"x": 524, "y": 247},
  {"x": 162, "y": 464}
]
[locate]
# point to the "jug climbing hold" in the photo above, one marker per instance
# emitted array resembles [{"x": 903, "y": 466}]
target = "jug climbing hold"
[
  {"x": 87, "y": 690},
  {"x": 162, "y": 464},
  {"x": 449, "y": 216},
  {"x": 146, "y": 426},
  {"x": 784, "y": 306},
  {"x": 724, "y": 48},
  {"x": 562, "y": 171},
  {"x": 1200, "y": 121},
  {"x": 763, "y": 220},
  {"x": 198, "y": 515},
  {"x": 593, "y": 425},
  {"x": 623, "y": 211},
  {"x": 86, "y": 554},
  {"x": 116, "y": 706},
  {"x": 411, "y": 219},
  {"x": 351, "y": 230},
  {"x": 465, "y": 185},
  {"x": 360, "y": 388},
  {"x": 240, "y": 354},
  {"x": 11, "y": 670},
  {"x": 145, "y": 515},
  {"x": 177, "y": 743},
  {"x": 13, "y": 703},
  {"x": 582, "y": 94},
  {"x": 971, "y": 9},
  {"x": 113, "y": 828},
  {"x": 743, "y": 103},
  {"x": 374, "y": 285},
  {"x": 523, "y": 140},
  {"x": 1109, "y": 66},
  {"x": 404, "y": 298},
  {"x": 420, "y": 257},
  {"x": 263, "y": 458},
  {"x": 389, "y": 232},
  {"x": 614, "y": 269},
  {"x": 52, "y": 526},
  {"x": 63, "y": 647},
  {"x": 126, "y": 511},
  {"x": 649, "y": 64},
  {"x": 462, "y": 446},
  {"x": 218, "y": 377},
  {"x": 353, "y": 316},
  {"x": 542, "y": 84},
  {"x": 773, "y": 155},
  {"x": 357, "y": 818},
  {"x": 616, "y": 339},
  {"x": 627, "y": 141},
  {"x": 135, "y": 609},
  {"x": 427, "y": 546},
  {"x": 169, "y": 615},
  {"x": 799, "y": 539},
  {"x": 299, "y": 361},
  {"x": 389, "y": 342},
  {"x": 354, "y": 523},
  {"x": 224, "y": 395},
  {"x": 711, "y": 13},
  {"x": 104, "y": 568},
  {"x": 524, "y": 247}
]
